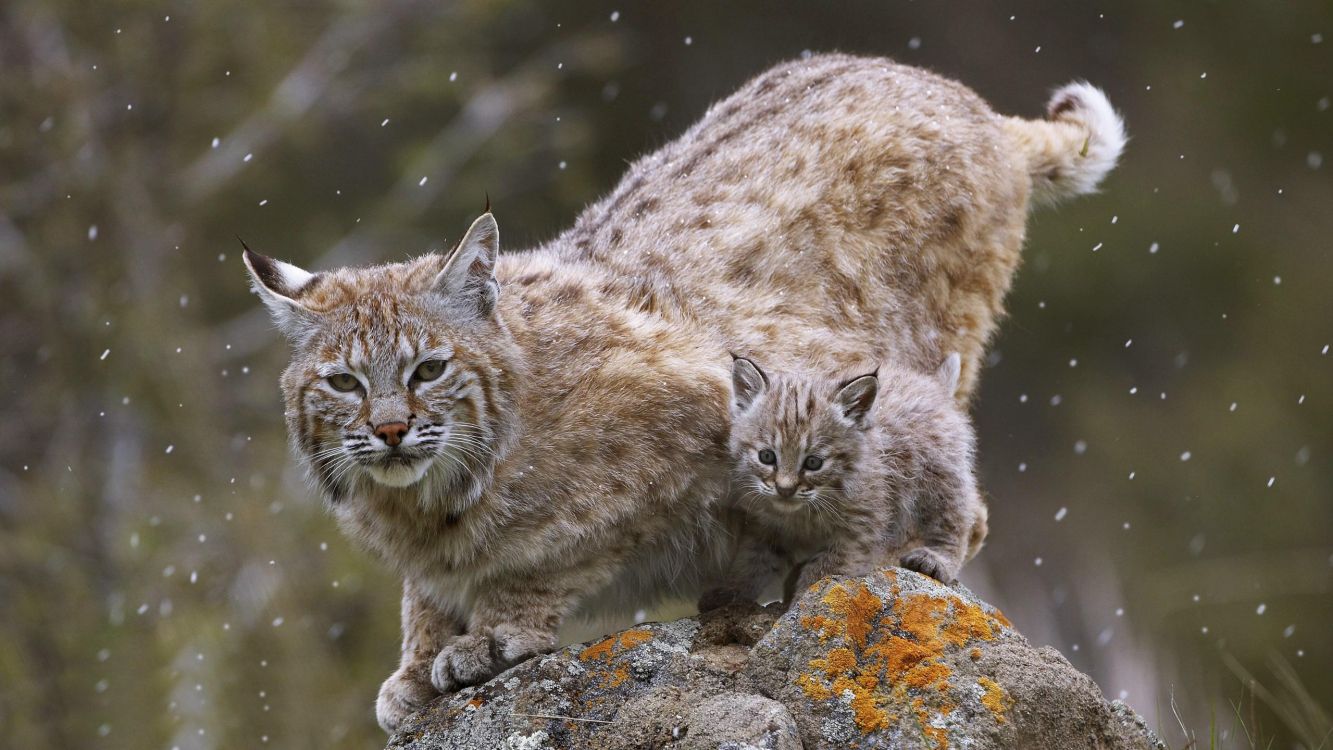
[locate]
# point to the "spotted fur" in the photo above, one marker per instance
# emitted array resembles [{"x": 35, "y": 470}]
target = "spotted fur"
[{"x": 837, "y": 212}]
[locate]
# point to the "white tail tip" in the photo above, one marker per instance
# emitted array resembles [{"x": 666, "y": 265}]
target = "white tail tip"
[{"x": 1102, "y": 135}]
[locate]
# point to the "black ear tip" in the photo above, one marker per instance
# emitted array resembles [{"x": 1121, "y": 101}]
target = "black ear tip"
[{"x": 252, "y": 258}]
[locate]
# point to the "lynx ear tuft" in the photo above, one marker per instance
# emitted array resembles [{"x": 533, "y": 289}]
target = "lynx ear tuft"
[
  {"x": 950, "y": 372},
  {"x": 468, "y": 278},
  {"x": 747, "y": 382},
  {"x": 279, "y": 285},
  {"x": 857, "y": 397}
]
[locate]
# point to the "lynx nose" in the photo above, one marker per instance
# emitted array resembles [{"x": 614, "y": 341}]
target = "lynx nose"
[{"x": 392, "y": 433}]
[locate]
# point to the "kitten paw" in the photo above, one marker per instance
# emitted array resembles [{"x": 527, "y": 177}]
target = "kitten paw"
[
  {"x": 403, "y": 693},
  {"x": 931, "y": 563},
  {"x": 467, "y": 660}
]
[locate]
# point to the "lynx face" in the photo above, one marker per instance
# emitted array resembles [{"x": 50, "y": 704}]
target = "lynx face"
[
  {"x": 397, "y": 372},
  {"x": 798, "y": 443}
]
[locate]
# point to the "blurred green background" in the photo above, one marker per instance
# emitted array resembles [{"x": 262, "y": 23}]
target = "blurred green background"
[{"x": 1155, "y": 420}]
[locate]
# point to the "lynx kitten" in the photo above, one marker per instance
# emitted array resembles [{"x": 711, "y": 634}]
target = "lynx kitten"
[{"x": 841, "y": 475}]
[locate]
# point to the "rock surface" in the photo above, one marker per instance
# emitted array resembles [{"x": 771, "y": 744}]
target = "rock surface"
[{"x": 891, "y": 660}]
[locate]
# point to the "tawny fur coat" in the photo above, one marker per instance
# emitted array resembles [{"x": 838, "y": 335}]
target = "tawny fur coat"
[{"x": 527, "y": 435}]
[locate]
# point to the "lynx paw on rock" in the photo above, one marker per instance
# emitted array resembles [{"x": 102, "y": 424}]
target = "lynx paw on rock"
[
  {"x": 466, "y": 660},
  {"x": 404, "y": 692}
]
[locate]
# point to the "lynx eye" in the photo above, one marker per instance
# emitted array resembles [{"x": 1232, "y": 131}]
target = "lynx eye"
[
  {"x": 429, "y": 370},
  {"x": 344, "y": 382},
  {"x": 813, "y": 463},
  {"x": 767, "y": 457}
]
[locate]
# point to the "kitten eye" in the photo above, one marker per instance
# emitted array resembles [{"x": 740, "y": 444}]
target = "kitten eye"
[
  {"x": 813, "y": 463},
  {"x": 344, "y": 382},
  {"x": 767, "y": 457},
  {"x": 429, "y": 370}
]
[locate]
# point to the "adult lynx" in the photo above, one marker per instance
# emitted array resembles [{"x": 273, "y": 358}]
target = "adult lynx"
[{"x": 525, "y": 435}]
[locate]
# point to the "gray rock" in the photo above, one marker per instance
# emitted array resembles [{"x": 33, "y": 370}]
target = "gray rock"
[{"x": 891, "y": 660}]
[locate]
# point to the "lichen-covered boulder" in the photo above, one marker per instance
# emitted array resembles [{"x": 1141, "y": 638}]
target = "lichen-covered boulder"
[
  {"x": 890, "y": 660},
  {"x": 897, "y": 660}
]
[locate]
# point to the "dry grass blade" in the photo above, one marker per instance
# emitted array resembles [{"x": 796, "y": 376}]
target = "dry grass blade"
[
  {"x": 1190, "y": 739},
  {"x": 1289, "y": 700}
]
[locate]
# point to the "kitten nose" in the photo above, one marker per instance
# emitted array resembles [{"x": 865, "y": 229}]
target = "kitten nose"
[
  {"x": 785, "y": 490},
  {"x": 392, "y": 433}
]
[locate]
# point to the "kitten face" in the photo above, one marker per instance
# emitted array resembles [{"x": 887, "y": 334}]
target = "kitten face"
[
  {"x": 397, "y": 371},
  {"x": 797, "y": 442}
]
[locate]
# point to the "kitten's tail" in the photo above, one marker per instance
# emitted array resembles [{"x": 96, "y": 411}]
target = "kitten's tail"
[{"x": 1077, "y": 144}]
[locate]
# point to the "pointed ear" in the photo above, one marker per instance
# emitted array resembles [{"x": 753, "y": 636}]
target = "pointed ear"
[
  {"x": 950, "y": 371},
  {"x": 468, "y": 278},
  {"x": 747, "y": 382},
  {"x": 279, "y": 285},
  {"x": 856, "y": 398}
]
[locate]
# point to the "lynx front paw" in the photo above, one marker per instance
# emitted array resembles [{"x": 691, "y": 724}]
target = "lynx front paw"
[
  {"x": 931, "y": 563},
  {"x": 514, "y": 644},
  {"x": 400, "y": 695},
  {"x": 467, "y": 660}
]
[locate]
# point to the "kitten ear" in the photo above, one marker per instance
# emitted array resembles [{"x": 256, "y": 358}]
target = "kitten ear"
[
  {"x": 856, "y": 398},
  {"x": 279, "y": 285},
  {"x": 950, "y": 371},
  {"x": 747, "y": 382},
  {"x": 468, "y": 277}
]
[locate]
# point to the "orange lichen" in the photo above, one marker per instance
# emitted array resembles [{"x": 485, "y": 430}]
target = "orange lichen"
[
  {"x": 600, "y": 650},
  {"x": 615, "y": 677},
  {"x": 841, "y": 670},
  {"x": 475, "y": 703},
  {"x": 970, "y": 622},
  {"x": 937, "y": 735},
  {"x": 998, "y": 701},
  {"x": 840, "y": 660},
  {"x": 634, "y": 638},
  {"x": 898, "y": 655},
  {"x": 929, "y": 674},
  {"x": 813, "y": 687},
  {"x": 857, "y": 611},
  {"x": 865, "y": 705},
  {"x": 607, "y": 649},
  {"x": 823, "y": 626},
  {"x": 904, "y": 666}
]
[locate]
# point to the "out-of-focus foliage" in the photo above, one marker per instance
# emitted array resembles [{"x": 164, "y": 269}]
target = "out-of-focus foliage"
[{"x": 1155, "y": 421}]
